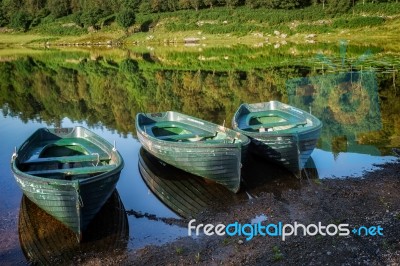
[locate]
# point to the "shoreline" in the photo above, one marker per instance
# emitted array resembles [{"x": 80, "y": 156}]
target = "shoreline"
[
  {"x": 370, "y": 200},
  {"x": 192, "y": 38}
]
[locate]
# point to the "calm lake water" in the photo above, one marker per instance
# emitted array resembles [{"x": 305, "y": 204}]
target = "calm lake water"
[{"x": 354, "y": 94}]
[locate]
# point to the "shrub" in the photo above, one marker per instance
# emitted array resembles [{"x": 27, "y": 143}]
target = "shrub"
[
  {"x": 129, "y": 66},
  {"x": 125, "y": 18},
  {"x": 58, "y": 8},
  {"x": 91, "y": 17},
  {"x": 20, "y": 21},
  {"x": 358, "y": 22}
]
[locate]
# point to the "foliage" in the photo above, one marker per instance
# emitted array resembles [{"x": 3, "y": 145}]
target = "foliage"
[
  {"x": 125, "y": 18},
  {"x": 221, "y": 16},
  {"x": 59, "y": 8},
  {"x": 91, "y": 17},
  {"x": 20, "y": 21},
  {"x": 129, "y": 66},
  {"x": 358, "y": 22},
  {"x": 338, "y": 6}
]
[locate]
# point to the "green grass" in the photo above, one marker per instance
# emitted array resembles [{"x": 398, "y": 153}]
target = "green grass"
[
  {"x": 23, "y": 38},
  {"x": 179, "y": 250},
  {"x": 276, "y": 254}
]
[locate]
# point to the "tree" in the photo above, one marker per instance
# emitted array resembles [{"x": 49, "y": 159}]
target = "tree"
[
  {"x": 3, "y": 19},
  {"x": 184, "y": 4},
  {"x": 231, "y": 3},
  {"x": 10, "y": 8},
  {"x": 59, "y": 8},
  {"x": 20, "y": 21},
  {"x": 125, "y": 18},
  {"x": 91, "y": 17},
  {"x": 338, "y": 6},
  {"x": 209, "y": 3},
  {"x": 195, "y": 4}
]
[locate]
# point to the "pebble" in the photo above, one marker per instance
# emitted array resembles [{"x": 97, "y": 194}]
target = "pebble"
[{"x": 240, "y": 242}]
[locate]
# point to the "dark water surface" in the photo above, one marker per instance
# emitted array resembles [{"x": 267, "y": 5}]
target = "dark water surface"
[{"x": 360, "y": 111}]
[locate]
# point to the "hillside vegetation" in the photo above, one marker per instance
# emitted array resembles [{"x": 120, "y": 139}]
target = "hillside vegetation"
[{"x": 172, "y": 20}]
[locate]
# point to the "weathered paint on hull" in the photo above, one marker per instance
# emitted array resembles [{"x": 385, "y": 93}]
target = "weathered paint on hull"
[
  {"x": 220, "y": 164},
  {"x": 74, "y": 204},
  {"x": 291, "y": 152}
]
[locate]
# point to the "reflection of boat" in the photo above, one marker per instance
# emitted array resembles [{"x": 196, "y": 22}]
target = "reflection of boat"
[
  {"x": 260, "y": 177},
  {"x": 185, "y": 194},
  {"x": 45, "y": 240},
  {"x": 193, "y": 145},
  {"x": 68, "y": 172},
  {"x": 279, "y": 132}
]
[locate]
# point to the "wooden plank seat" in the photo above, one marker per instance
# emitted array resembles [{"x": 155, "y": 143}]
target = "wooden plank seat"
[
  {"x": 69, "y": 159},
  {"x": 74, "y": 171},
  {"x": 272, "y": 125},
  {"x": 186, "y": 137},
  {"x": 192, "y": 133}
]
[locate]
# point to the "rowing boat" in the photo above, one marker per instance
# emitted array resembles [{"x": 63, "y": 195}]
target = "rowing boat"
[
  {"x": 279, "y": 132},
  {"x": 194, "y": 145},
  {"x": 68, "y": 172}
]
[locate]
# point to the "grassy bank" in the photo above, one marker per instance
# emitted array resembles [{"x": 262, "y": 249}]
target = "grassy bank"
[{"x": 364, "y": 24}]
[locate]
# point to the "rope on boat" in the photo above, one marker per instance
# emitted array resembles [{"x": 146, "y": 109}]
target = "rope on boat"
[
  {"x": 14, "y": 155},
  {"x": 78, "y": 197},
  {"x": 98, "y": 158},
  {"x": 115, "y": 146}
]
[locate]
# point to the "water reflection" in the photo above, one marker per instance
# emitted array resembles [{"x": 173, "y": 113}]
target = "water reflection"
[
  {"x": 184, "y": 193},
  {"x": 347, "y": 104},
  {"x": 189, "y": 195},
  {"x": 261, "y": 176},
  {"x": 45, "y": 240},
  {"x": 357, "y": 107}
]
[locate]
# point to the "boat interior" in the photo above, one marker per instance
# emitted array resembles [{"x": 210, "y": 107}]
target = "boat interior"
[
  {"x": 271, "y": 120},
  {"x": 179, "y": 132},
  {"x": 66, "y": 158}
]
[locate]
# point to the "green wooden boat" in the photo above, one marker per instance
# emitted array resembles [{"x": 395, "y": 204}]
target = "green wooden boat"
[
  {"x": 194, "y": 145},
  {"x": 68, "y": 172},
  {"x": 46, "y": 241},
  {"x": 279, "y": 132},
  {"x": 185, "y": 194}
]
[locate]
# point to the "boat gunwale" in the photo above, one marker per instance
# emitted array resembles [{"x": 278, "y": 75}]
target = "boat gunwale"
[
  {"x": 317, "y": 124},
  {"x": 244, "y": 140}
]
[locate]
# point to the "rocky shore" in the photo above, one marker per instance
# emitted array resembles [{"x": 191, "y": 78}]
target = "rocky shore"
[{"x": 370, "y": 201}]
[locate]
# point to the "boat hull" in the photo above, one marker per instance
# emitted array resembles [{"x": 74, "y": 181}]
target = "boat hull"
[{"x": 290, "y": 151}]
